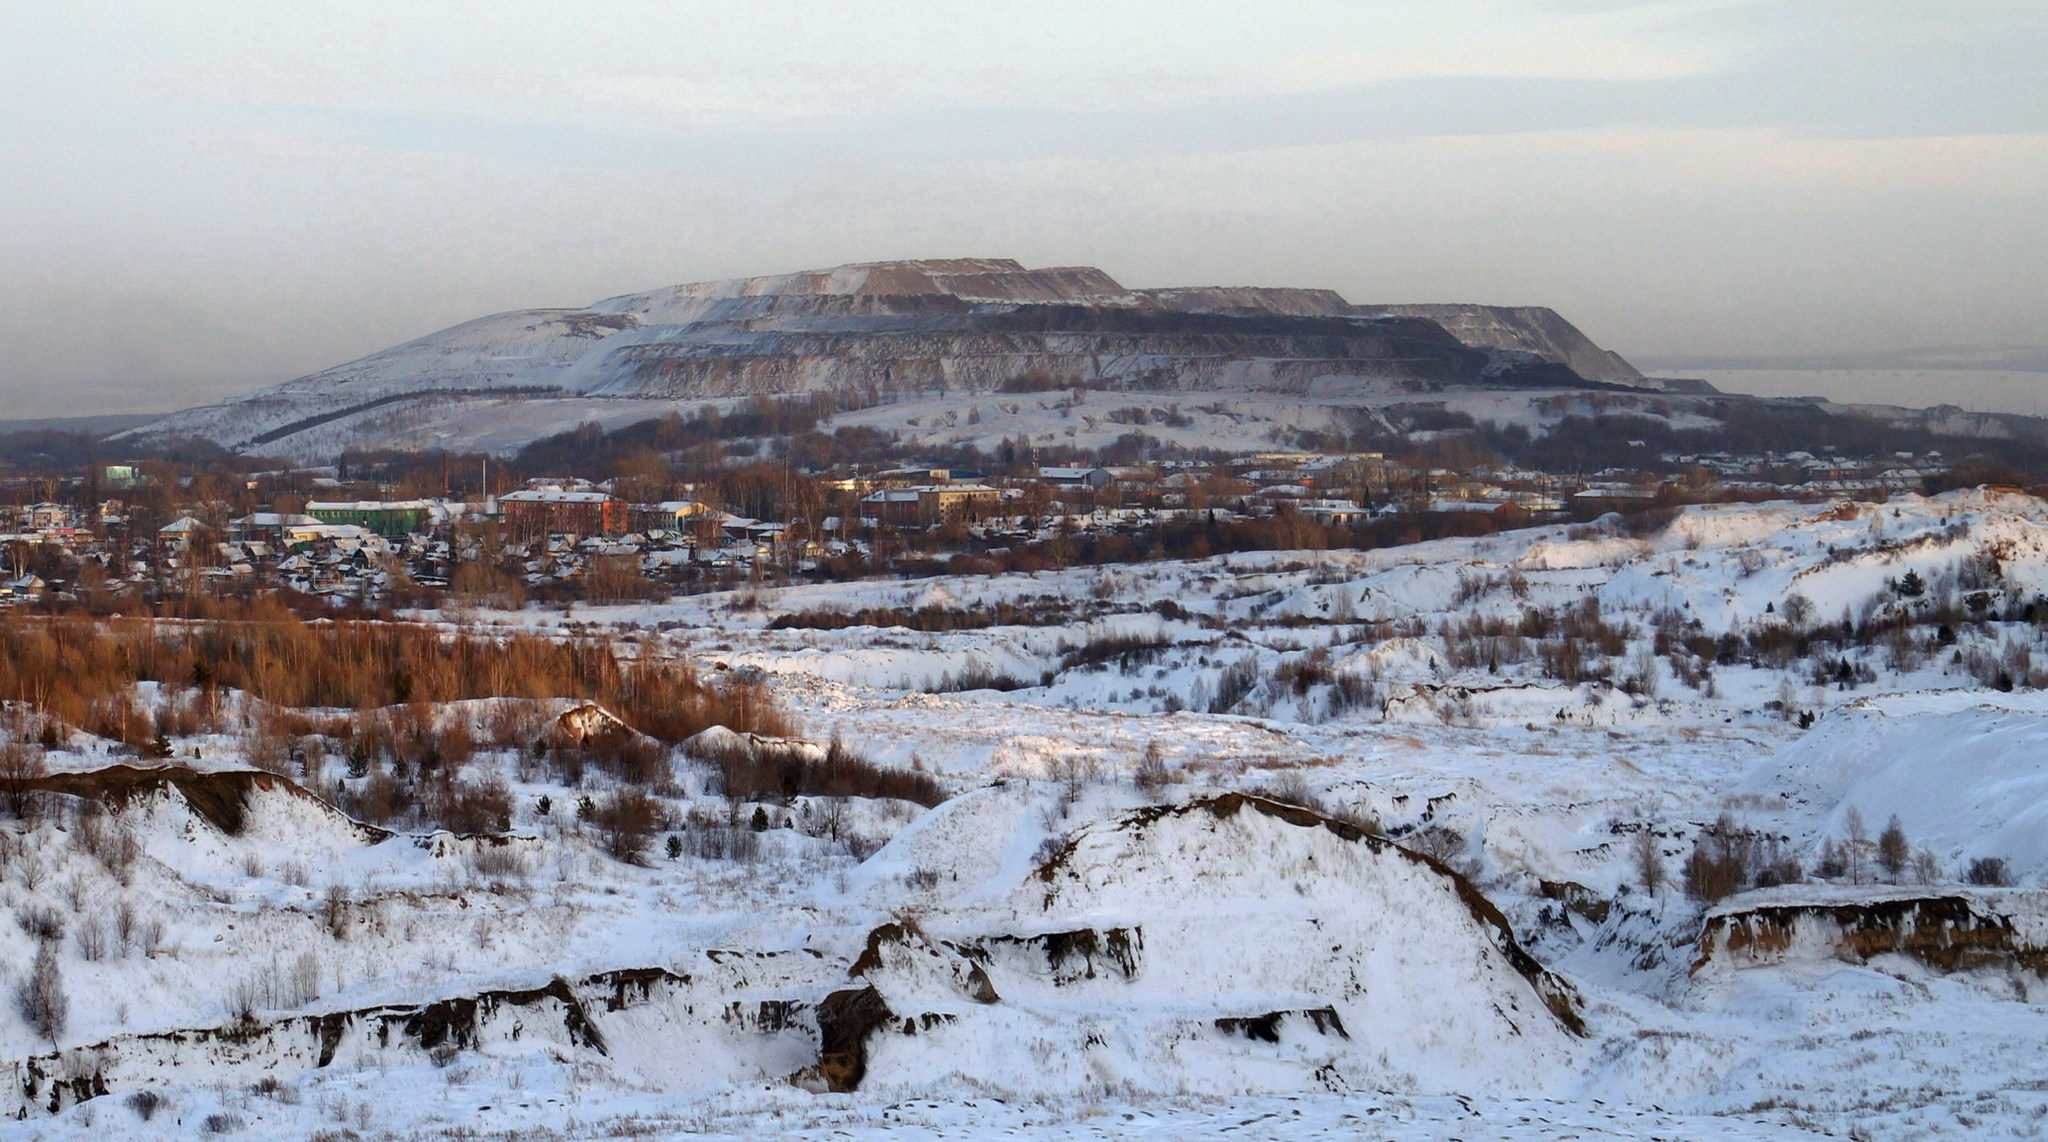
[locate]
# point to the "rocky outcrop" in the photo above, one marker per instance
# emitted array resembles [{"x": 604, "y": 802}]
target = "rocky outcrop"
[
  {"x": 893, "y": 327},
  {"x": 1949, "y": 932}
]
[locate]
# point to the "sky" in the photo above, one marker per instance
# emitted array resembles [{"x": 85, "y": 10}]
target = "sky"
[{"x": 201, "y": 197}]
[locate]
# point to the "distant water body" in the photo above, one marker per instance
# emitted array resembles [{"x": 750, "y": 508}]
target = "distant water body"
[{"x": 1980, "y": 390}]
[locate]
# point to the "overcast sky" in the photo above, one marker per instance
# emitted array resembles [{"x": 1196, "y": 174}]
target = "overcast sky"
[{"x": 198, "y": 198}]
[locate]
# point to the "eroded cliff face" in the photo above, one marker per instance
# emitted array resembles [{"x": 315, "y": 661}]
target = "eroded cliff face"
[
  {"x": 732, "y": 1016},
  {"x": 2000, "y": 932},
  {"x": 891, "y": 327}
]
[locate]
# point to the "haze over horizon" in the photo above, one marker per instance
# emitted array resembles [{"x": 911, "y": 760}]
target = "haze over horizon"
[{"x": 204, "y": 198}]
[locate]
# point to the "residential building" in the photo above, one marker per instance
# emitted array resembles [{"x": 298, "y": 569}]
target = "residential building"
[{"x": 554, "y": 511}]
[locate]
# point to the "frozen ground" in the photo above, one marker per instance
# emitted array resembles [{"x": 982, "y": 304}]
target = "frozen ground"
[{"x": 1247, "y": 938}]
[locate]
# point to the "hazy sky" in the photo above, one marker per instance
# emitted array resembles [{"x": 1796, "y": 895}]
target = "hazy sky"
[{"x": 200, "y": 197}]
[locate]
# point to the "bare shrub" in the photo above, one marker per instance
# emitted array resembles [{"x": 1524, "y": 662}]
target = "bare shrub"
[
  {"x": 92, "y": 936},
  {"x": 149, "y": 936},
  {"x": 42, "y": 922},
  {"x": 498, "y": 863},
  {"x": 483, "y": 806},
  {"x": 280, "y": 988},
  {"x": 1151, "y": 774},
  {"x": 266, "y": 746},
  {"x": 1926, "y": 867},
  {"x": 1234, "y": 684},
  {"x": 110, "y": 844},
  {"x": 1291, "y": 789},
  {"x": 1440, "y": 842},
  {"x": 1358, "y": 816},
  {"x": 145, "y": 1104},
  {"x": 378, "y": 800},
  {"x": 634, "y": 759},
  {"x": 302, "y": 984},
  {"x": 627, "y": 823},
  {"x": 1989, "y": 872},
  {"x": 724, "y": 842},
  {"x": 30, "y": 871}
]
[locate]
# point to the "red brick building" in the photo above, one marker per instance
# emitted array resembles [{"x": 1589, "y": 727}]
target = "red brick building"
[{"x": 552, "y": 511}]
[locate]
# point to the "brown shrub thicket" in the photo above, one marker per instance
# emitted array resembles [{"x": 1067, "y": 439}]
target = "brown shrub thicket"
[
  {"x": 627, "y": 823},
  {"x": 1727, "y": 858},
  {"x": 770, "y": 771},
  {"x": 472, "y": 806},
  {"x": 83, "y": 671}
]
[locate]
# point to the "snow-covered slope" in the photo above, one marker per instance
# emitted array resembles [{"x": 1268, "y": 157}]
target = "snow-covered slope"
[
  {"x": 874, "y": 329},
  {"x": 1224, "y": 943},
  {"x": 1313, "y": 841}
]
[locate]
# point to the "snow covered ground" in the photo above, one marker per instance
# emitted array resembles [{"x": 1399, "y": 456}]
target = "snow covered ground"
[{"x": 1092, "y": 936}]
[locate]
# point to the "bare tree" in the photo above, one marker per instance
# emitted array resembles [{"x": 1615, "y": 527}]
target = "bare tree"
[
  {"x": 1649, "y": 862},
  {"x": 20, "y": 765},
  {"x": 40, "y": 995},
  {"x": 1852, "y": 824},
  {"x": 1893, "y": 851}
]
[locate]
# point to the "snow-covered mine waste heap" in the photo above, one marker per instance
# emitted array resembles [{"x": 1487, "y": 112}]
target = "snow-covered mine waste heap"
[
  {"x": 890, "y": 331},
  {"x": 1729, "y": 828}
]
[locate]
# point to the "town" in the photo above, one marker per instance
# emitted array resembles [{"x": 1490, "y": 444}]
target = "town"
[{"x": 402, "y": 530}]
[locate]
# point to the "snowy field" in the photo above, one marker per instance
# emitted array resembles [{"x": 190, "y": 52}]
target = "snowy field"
[{"x": 1278, "y": 845}]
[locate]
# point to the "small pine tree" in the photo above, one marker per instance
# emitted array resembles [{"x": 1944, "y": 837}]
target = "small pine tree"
[
  {"x": 545, "y": 806},
  {"x": 1893, "y": 851},
  {"x": 760, "y": 822},
  {"x": 1911, "y": 585},
  {"x": 674, "y": 846},
  {"x": 585, "y": 808}
]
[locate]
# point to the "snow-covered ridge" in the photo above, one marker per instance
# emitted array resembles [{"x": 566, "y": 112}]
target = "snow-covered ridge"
[
  {"x": 944, "y": 324},
  {"x": 1253, "y": 943}
]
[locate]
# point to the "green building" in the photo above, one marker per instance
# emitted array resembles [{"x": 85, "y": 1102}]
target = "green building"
[{"x": 385, "y": 517}]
